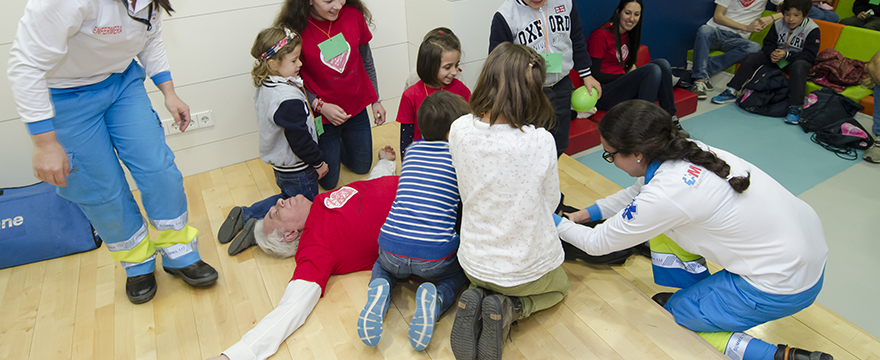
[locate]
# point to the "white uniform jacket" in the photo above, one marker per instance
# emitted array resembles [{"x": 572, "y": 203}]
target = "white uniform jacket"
[
  {"x": 765, "y": 234},
  {"x": 69, "y": 43}
]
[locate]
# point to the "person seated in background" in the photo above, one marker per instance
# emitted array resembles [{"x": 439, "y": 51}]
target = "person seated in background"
[
  {"x": 823, "y": 10},
  {"x": 867, "y": 15},
  {"x": 792, "y": 44},
  {"x": 728, "y": 30},
  {"x": 614, "y": 49},
  {"x": 335, "y": 234},
  {"x": 872, "y": 154}
]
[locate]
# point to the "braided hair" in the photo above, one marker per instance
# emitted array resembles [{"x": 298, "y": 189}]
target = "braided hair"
[{"x": 639, "y": 126}]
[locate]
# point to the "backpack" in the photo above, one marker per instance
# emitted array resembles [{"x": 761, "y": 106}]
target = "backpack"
[
  {"x": 831, "y": 69},
  {"x": 766, "y": 93},
  {"x": 843, "y": 138},
  {"x": 830, "y": 108}
]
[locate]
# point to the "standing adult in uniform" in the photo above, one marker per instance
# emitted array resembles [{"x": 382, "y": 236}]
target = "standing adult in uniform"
[{"x": 81, "y": 95}]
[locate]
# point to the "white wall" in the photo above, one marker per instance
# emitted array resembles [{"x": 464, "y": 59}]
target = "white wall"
[{"x": 208, "y": 43}]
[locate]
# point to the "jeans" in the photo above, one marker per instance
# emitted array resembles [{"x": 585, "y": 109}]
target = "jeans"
[
  {"x": 797, "y": 71},
  {"x": 349, "y": 144},
  {"x": 651, "y": 82},
  {"x": 292, "y": 184},
  {"x": 827, "y": 15},
  {"x": 710, "y": 38},
  {"x": 560, "y": 98},
  {"x": 445, "y": 274}
]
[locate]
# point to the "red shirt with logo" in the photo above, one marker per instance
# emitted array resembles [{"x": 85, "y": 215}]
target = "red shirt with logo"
[
  {"x": 601, "y": 44},
  {"x": 341, "y": 80},
  {"x": 340, "y": 233},
  {"x": 413, "y": 97}
]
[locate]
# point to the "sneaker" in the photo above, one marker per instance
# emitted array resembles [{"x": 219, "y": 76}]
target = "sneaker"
[
  {"x": 700, "y": 89},
  {"x": 468, "y": 324},
  {"x": 708, "y": 85},
  {"x": 499, "y": 312},
  {"x": 677, "y": 124},
  {"x": 783, "y": 352},
  {"x": 794, "y": 114},
  {"x": 725, "y": 97},
  {"x": 872, "y": 154},
  {"x": 421, "y": 327},
  {"x": 373, "y": 315}
]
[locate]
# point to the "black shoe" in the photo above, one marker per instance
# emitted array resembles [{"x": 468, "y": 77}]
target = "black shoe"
[
  {"x": 244, "y": 240},
  {"x": 199, "y": 274},
  {"x": 643, "y": 249},
  {"x": 141, "y": 289},
  {"x": 677, "y": 124},
  {"x": 662, "y": 298},
  {"x": 468, "y": 325},
  {"x": 572, "y": 253},
  {"x": 499, "y": 313},
  {"x": 561, "y": 209},
  {"x": 232, "y": 225},
  {"x": 783, "y": 352}
]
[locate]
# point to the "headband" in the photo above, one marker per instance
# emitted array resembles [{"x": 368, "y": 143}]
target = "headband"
[{"x": 290, "y": 35}]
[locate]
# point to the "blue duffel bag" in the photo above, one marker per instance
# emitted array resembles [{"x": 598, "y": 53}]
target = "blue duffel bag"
[{"x": 36, "y": 224}]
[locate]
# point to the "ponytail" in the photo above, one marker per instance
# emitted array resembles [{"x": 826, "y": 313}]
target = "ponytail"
[{"x": 638, "y": 126}]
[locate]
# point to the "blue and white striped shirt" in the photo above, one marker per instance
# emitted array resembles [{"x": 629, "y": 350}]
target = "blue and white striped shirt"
[{"x": 421, "y": 224}]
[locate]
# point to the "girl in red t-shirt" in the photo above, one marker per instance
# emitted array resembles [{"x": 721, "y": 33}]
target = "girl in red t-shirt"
[
  {"x": 437, "y": 66},
  {"x": 338, "y": 69},
  {"x": 614, "y": 48}
]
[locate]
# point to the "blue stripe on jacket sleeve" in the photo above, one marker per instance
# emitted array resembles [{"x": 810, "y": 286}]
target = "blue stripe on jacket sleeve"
[
  {"x": 39, "y": 127},
  {"x": 161, "y": 77}
]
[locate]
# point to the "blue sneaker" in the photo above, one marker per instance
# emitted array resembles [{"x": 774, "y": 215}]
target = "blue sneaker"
[
  {"x": 794, "y": 115},
  {"x": 421, "y": 327},
  {"x": 725, "y": 97},
  {"x": 373, "y": 315}
]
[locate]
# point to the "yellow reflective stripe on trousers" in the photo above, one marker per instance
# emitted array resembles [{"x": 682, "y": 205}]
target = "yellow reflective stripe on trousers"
[
  {"x": 663, "y": 244},
  {"x": 136, "y": 249},
  {"x": 174, "y": 244},
  {"x": 733, "y": 345}
]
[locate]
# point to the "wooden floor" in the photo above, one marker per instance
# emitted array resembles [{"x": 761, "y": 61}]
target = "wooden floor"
[{"x": 75, "y": 308}]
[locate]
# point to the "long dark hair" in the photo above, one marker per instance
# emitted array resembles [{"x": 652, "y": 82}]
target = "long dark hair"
[
  {"x": 633, "y": 37},
  {"x": 164, "y": 4},
  {"x": 638, "y": 126},
  {"x": 295, "y": 14}
]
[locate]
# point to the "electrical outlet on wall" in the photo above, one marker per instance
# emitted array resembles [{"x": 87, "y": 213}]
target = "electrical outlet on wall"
[{"x": 204, "y": 118}]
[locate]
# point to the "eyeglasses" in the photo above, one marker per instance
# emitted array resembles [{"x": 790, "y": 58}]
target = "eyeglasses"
[
  {"x": 140, "y": 20},
  {"x": 609, "y": 157}
]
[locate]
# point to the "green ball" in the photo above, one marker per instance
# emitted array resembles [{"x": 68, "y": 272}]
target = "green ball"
[{"x": 582, "y": 101}]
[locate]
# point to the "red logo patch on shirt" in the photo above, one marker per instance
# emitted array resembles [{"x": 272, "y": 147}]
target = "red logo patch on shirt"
[
  {"x": 338, "y": 198},
  {"x": 746, "y": 3},
  {"x": 559, "y": 9}
]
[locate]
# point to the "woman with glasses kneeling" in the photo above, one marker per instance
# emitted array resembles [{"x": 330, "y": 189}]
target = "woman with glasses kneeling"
[{"x": 692, "y": 201}]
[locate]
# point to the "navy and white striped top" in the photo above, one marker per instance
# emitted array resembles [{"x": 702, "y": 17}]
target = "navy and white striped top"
[{"x": 421, "y": 224}]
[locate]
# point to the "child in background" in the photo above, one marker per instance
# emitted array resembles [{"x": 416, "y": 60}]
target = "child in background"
[
  {"x": 509, "y": 182},
  {"x": 534, "y": 23},
  {"x": 792, "y": 44},
  {"x": 614, "y": 49},
  {"x": 437, "y": 66},
  {"x": 419, "y": 237},
  {"x": 288, "y": 138},
  {"x": 338, "y": 68}
]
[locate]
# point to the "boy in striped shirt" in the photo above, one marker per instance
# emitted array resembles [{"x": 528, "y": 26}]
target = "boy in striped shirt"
[{"x": 419, "y": 236}]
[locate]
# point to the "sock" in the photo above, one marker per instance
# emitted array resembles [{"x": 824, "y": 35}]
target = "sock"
[{"x": 732, "y": 90}]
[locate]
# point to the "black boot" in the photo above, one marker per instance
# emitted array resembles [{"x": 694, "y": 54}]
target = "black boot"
[
  {"x": 661, "y": 298},
  {"x": 199, "y": 274},
  {"x": 499, "y": 312},
  {"x": 232, "y": 225},
  {"x": 783, "y": 352},
  {"x": 468, "y": 324},
  {"x": 140, "y": 289}
]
